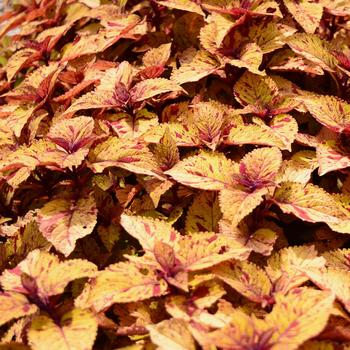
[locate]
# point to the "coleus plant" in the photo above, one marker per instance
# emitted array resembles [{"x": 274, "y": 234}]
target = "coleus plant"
[{"x": 174, "y": 175}]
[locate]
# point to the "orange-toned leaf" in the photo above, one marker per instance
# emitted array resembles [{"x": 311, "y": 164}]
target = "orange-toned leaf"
[
  {"x": 166, "y": 151},
  {"x": 73, "y": 136},
  {"x": 330, "y": 111},
  {"x": 281, "y": 133},
  {"x": 261, "y": 95},
  {"x": 309, "y": 203},
  {"x": 197, "y": 67},
  {"x": 63, "y": 221},
  {"x": 313, "y": 48},
  {"x": 204, "y": 213},
  {"x": 147, "y": 231},
  {"x": 202, "y": 250},
  {"x": 207, "y": 171},
  {"x": 172, "y": 334},
  {"x": 248, "y": 279},
  {"x": 113, "y": 285},
  {"x": 130, "y": 155},
  {"x": 14, "y": 305},
  {"x": 43, "y": 274},
  {"x": 76, "y": 329},
  {"x": 286, "y": 267},
  {"x": 307, "y": 13}
]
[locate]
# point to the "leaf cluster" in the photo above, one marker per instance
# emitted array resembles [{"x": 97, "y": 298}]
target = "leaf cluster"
[{"x": 174, "y": 175}]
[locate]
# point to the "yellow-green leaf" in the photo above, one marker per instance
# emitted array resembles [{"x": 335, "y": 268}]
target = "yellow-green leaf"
[
  {"x": 310, "y": 203},
  {"x": 172, "y": 334},
  {"x": 115, "y": 285},
  {"x": 204, "y": 213},
  {"x": 76, "y": 330},
  {"x": 207, "y": 171},
  {"x": 130, "y": 155},
  {"x": 63, "y": 221},
  {"x": 46, "y": 272},
  {"x": 14, "y": 305}
]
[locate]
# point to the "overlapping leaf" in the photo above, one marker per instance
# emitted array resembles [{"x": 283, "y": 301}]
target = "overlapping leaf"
[
  {"x": 113, "y": 285},
  {"x": 260, "y": 95},
  {"x": 46, "y": 275},
  {"x": 194, "y": 198},
  {"x": 310, "y": 203},
  {"x": 77, "y": 329},
  {"x": 63, "y": 221},
  {"x": 207, "y": 171}
]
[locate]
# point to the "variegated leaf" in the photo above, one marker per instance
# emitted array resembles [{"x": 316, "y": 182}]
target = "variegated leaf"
[
  {"x": 172, "y": 334},
  {"x": 199, "y": 66},
  {"x": 73, "y": 136},
  {"x": 147, "y": 231},
  {"x": 76, "y": 329},
  {"x": 309, "y": 203},
  {"x": 286, "y": 267},
  {"x": 130, "y": 155},
  {"x": 114, "y": 285},
  {"x": 14, "y": 305},
  {"x": 63, "y": 221},
  {"x": 330, "y": 111},
  {"x": 307, "y": 13},
  {"x": 313, "y": 48},
  {"x": 44, "y": 275},
  {"x": 207, "y": 171},
  {"x": 248, "y": 279},
  {"x": 204, "y": 213}
]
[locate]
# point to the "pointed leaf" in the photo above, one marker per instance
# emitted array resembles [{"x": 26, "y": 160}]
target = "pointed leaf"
[
  {"x": 299, "y": 316},
  {"x": 285, "y": 267},
  {"x": 246, "y": 278},
  {"x": 147, "y": 231},
  {"x": 114, "y": 285},
  {"x": 132, "y": 126},
  {"x": 204, "y": 213},
  {"x": 259, "y": 167},
  {"x": 236, "y": 204},
  {"x": 166, "y": 151},
  {"x": 201, "y": 65},
  {"x": 281, "y": 133},
  {"x": 77, "y": 330},
  {"x": 149, "y": 88},
  {"x": 128, "y": 26},
  {"x": 309, "y": 203},
  {"x": 335, "y": 280},
  {"x": 287, "y": 60},
  {"x": 259, "y": 240},
  {"x": 172, "y": 334},
  {"x": 261, "y": 95},
  {"x": 330, "y": 111},
  {"x": 157, "y": 56},
  {"x": 14, "y": 305},
  {"x": 129, "y": 155},
  {"x": 63, "y": 221},
  {"x": 307, "y": 13},
  {"x": 106, "y": 93},
  {"x": 49, "y": 274},
  {"x": 331, "y": 156},
  {"x": 299, "y": 168},
  {"x": 74, "y": 136},
  {"x": 19, "y": 60},
  {"x": 207, "y": 171},
  {"x": 295, "y": 318},
  {"x": 338, "y": 259},
  {"x": 313, "y": 48},
  {"x": 206, "y": 249},
  {"x": 269, "y": 36}
]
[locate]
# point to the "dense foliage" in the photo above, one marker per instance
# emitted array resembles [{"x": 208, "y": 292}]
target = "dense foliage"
[{"x": 174, "y": 175}]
